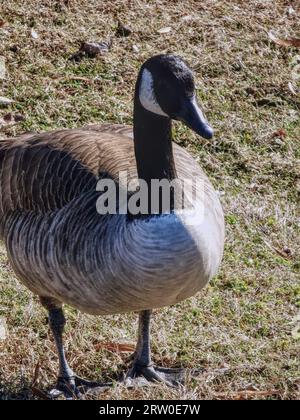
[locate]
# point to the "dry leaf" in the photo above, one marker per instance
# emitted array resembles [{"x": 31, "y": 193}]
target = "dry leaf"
[
  {"x": 248, "y": 387},
  {"x": 11, "y": 119},
  {"x": 19, "y": 118},
  {"x": 280, "y": 252},
  {"x": 36, "y": 374},
  {"x": 281, "y": 133},
  {"x": 292, "y": 89},
  {"x": 135, "y": 49},
  {"x": 253, "y": 187},
  {"x": 5, "y": 101},
  {"x": 164, "y": 30},
  {"x": 290, "y": 11},
  {"x": 2, "y": 67},
  {"x": 115, "y": 347},
  {"x": 246, "y": 394},
  {"x": 123, "y": 30},
  {"x": 14, "y": 48},
  {"x": 34, "y": 34},
  {"x": 91, "y": 50},
  {"x": 187, "y": 18},
  {"x": 3, "y": 329},
  {"x": 36, "y": 391},
  {"x": 2, "y": 23},
  {"x": 39, "y": 393},
  {"x": 287, "y": 42},
  {"x": 287, "y": 250},
  {"x": 78, "y": 56}
]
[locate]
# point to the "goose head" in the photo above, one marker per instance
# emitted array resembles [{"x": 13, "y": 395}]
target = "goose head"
[{"x": 166, "y": 88}]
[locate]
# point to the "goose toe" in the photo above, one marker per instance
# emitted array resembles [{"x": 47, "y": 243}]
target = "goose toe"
[
  {"x": 67, "y": 388},
  {"x": 76, "y": 388},
  {"x": 143, "y": 375}
]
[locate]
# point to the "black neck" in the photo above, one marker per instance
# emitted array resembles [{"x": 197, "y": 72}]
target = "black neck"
[{"x": 153, "y": 145}]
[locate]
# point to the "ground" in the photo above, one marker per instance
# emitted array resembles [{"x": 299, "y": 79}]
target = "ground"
[{"x": 244, "y": 328}]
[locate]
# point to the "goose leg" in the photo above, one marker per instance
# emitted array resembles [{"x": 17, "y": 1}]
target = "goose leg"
[
  {"x": 142, "y": 364},
  {"x": 67, "y": 381}
]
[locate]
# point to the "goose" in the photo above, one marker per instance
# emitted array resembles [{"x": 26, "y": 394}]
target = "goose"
[{"x": 67, "y": 252}]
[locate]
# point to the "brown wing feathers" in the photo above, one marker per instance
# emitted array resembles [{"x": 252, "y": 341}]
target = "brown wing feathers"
[
  {"x": 36, "y": 174},
  {"x": 43, "y": 172}
]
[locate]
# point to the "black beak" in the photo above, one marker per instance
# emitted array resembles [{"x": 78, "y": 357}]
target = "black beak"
[{"x": 193, "y": 117}]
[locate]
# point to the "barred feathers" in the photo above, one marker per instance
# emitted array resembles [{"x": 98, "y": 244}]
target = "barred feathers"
[{"x": 60, "y": 247}]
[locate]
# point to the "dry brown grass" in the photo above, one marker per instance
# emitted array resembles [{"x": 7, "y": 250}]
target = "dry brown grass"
[{"x": 242, "y": 328}]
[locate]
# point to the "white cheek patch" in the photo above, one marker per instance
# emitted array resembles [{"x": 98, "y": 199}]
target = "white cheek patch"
[{"x": 147, "y": 96}]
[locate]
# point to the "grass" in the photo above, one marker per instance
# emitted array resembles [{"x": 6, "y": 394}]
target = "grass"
[{"x": 243, "y": 329}]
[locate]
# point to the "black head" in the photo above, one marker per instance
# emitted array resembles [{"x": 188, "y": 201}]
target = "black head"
[{"x": 166, "y": 87}]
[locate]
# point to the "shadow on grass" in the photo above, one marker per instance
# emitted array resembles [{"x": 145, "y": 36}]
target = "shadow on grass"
[
  {"x": 16, "y": 391},
  {"x": 25, "y": 390}
]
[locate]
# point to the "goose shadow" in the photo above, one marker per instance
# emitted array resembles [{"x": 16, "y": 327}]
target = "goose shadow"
[{"x": 26, "y": 390}]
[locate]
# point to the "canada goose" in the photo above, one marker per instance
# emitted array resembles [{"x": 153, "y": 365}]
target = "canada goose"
[{"x": 64, "y": 251}]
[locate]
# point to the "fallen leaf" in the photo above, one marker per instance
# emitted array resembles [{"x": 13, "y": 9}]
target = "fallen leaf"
[
  {"x": 280, "y": 252},
  {"x": 11, "y": 119},
  {"x": 122, "y": 30},
  {"x": 2, "y": 67},
  {"x": 91, "y": 50},
  {"x": 253, "y": 187},
  {"x": 7, "y": 118},
  {"x": 2, "y": 23},
  {"x": 290, "y": 11},
  {"x": 39, "y": 393},
  {"x": 135, "y": 49},
  {"x": 281, "y": 133},
  {"x": 3, "y": 329},
  {"x": 286, "y": 42},
  {"x": 267, "y": 102},
  {"x": 78, "y": 56},
  {"x": 19, "y": 117},
  {"x": 14, "y": 48},
  {"x": 249, "y": 387},
  {"x": 34, "y": 389},
  {"x": 187, "y": 18},
  {"x": 292, "y": 89},
  {"x": 36, "y": 374},
  {"x": 115, "y": 347},
  {"x": 287, "y": 250},
  {"x": 34, "y": 34},
  {"x": 164, "y": 30},
  {"x": 245, "y": 394},
  {"x": 5, "y": 101}
]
